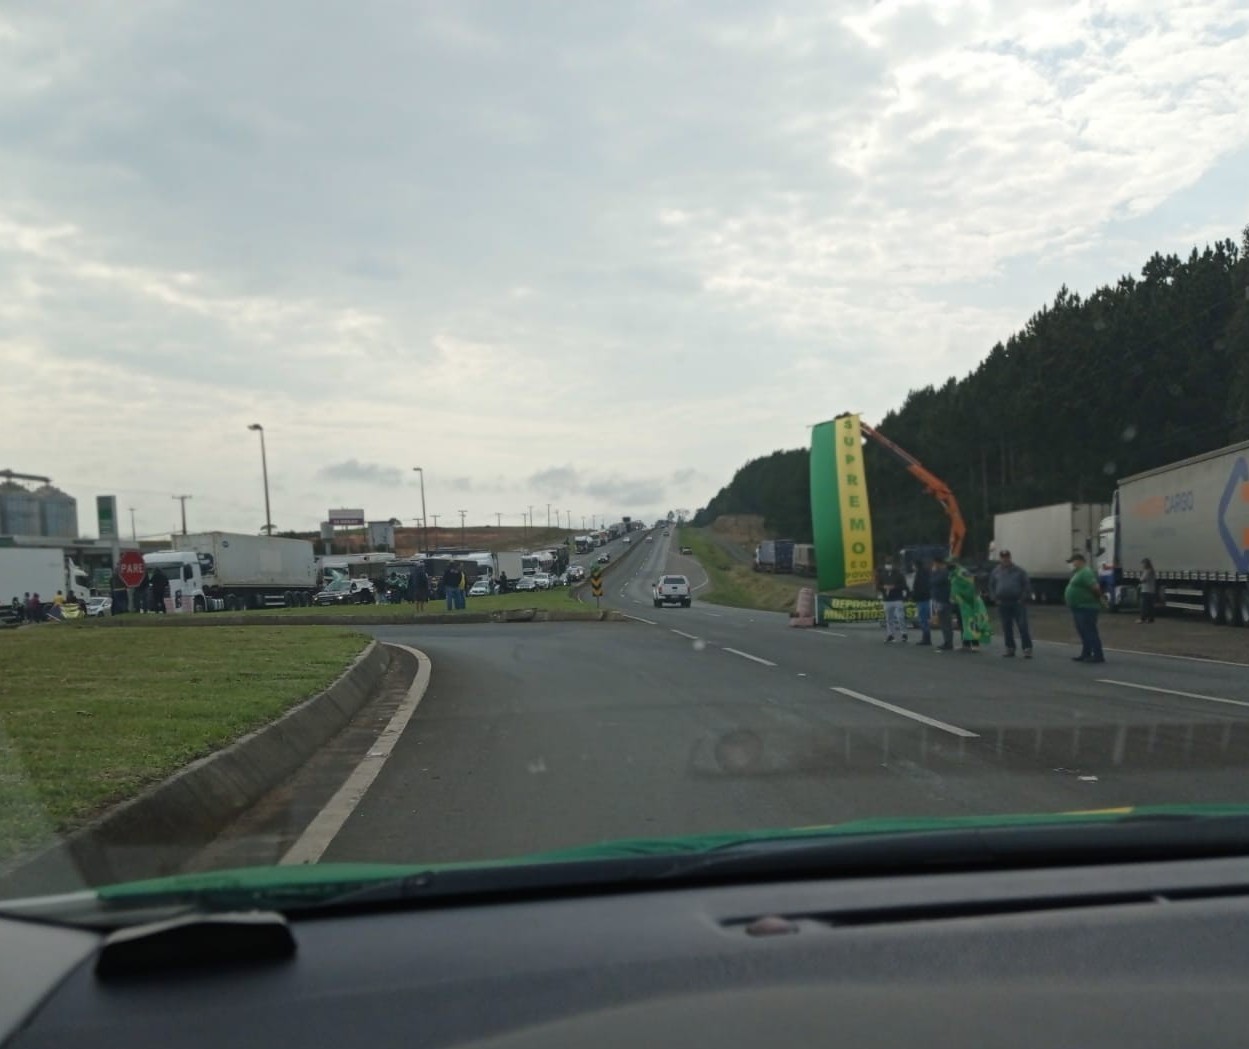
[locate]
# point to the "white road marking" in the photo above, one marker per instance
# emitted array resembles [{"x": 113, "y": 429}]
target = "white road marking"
[
  {"x": 718, "y": 615},
  {"x": 325, "y": 826},
  {"x": 692, "y": 637},
  {"x": 829, "y": 633},
  {"x": 747, "y": 655},
  {"x": 639, "y": 619},
  {"x": 1173, "y": 692},
  {"x": 954, "y": 730}
]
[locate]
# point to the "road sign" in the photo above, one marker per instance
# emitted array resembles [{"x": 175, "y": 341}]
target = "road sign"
[
  {"x": 130, "y": 567},
  {"x": 596, "y": 581}
]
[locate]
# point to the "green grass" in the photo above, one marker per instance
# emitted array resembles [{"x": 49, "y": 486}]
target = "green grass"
[
  {"x": 737, "y": 584},
  {"x": 90, "y": 717},
  {"x": 558, "y": 598}
]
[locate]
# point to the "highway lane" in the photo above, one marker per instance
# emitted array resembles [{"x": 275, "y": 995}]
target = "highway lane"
[{"x": 536, "y": 737}]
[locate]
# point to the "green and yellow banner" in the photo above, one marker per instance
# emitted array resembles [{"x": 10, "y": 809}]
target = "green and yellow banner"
[{"x": 840, "y": 515}]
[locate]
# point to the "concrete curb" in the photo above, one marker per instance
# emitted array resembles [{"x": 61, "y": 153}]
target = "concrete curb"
[
  {"x": 498, "y": 615},
  {"x": 157, "y": 832}
]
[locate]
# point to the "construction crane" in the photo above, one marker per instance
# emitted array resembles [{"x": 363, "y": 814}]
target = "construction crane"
[{"x": 933, "y": 485}]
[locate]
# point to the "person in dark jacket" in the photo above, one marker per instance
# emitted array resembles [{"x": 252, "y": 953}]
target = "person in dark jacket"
[
  {"x": 159, "y": 590},
  {"x": 420, "y": 587},
  {"x": 939, "y": 594},
  {"x": 1010, "y": 587},
  {"x": 921, "y": 591}
]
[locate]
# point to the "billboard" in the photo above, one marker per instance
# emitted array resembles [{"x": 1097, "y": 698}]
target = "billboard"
[
  {"x": 106, "y": 515},
  {"x": 840, "y": 516},
  {"x": 346, "y": 518}
]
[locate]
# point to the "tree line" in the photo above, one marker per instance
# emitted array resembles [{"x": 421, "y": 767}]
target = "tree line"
[{"x": 1140, "y": 373}]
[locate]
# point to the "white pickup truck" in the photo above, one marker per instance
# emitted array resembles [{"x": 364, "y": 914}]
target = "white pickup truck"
[{"x": 672, "y": 589}]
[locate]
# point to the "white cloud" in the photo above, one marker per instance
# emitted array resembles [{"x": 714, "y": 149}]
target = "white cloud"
[{"x": 643, "y": 242}]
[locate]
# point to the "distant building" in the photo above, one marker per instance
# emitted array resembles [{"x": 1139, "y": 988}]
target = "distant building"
[{"x": 42, "y": 511}]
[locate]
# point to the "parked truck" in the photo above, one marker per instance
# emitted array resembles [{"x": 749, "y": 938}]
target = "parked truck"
[
  {"x": 1191, "y": 519},
  {"x": 41, "y": 570},
  {"x": 804, "y": 559},
  {"x": 1042, "y": 539},
  {"x": 232, "y": 571},
  {"x": 775, "y": 555}
]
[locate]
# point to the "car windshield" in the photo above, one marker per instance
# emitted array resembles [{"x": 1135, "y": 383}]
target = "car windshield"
[{"x": 948, "y": 518}]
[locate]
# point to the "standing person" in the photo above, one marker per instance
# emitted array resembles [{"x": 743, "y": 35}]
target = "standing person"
[
  {"x": 1009, "y": 586},
  {"x": 971, "y": 610},
  {"x": 1149, "y": 590},
  {"x": 1084, "y": 598},
  {"x": 420, "y": 587},
  {"x": 895, "y": 602},
  {"x": 921, "y": 591},
  {"x": 59, "y": 600},
  {"x": 18, "y": 608},
  {"x": 502, "y": 582},
  {"x": 34, "y": 611},
  {"x": 452, "y": 582},
  {"x": 940, "y": 583},
  {"x": 160, "y": 590}
]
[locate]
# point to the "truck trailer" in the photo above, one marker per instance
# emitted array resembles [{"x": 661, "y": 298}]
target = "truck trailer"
[
  {"x": 41, "y": 570},
  {"x": 233, "y": 571},
  {"x": 1191, "y": 519},
  {"x": 775, "y": 555},
  {"x": 1042, "y": 539}
]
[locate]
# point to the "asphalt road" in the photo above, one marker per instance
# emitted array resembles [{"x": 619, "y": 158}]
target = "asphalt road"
[{"x": 711, "y": 719}]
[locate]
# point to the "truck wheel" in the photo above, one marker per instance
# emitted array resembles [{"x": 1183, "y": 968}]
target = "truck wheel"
[
  {"x": 1214, "y": 604},
  {"x": 1231, "y": 605},
  {"x": 198, "y": 605},
  {"x": 685, "y": 603},
  {"x": 658, "y": 604},
  {"x": 232, "y": 602}
]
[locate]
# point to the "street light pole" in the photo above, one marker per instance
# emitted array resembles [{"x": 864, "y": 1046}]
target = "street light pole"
[
  {"x": 264, "y": 466},
  {"x": 134, "y": 532},
  {"x": 182, "y": 499},
  {"x": 424, "y": 523}
]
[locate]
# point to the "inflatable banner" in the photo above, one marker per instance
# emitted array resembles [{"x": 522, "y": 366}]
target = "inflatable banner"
[{"x": 840, "y": 516}]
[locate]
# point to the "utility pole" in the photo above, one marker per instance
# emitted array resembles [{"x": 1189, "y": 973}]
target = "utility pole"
[
  {"x": 435, "y": 517},
  {"x": 182, "y": 499},
  {"x": 583, "y": 522},
  {"x": 424, "y": 522},
  {"x": 530, "y": 524},
  {"x": 548, "y": 517},
  {"x": 462, "y": 513},
  {"x": 134, "y": 532},
  {"x": 525, "y": 521},
  {"x": 498, "y": 520}
]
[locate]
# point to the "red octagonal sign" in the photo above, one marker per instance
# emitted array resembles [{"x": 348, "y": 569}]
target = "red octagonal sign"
[{"x": 130, "y": 567}]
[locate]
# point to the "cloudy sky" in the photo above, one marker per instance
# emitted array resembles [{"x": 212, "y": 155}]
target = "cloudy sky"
[{"x": 592, "y": 254}]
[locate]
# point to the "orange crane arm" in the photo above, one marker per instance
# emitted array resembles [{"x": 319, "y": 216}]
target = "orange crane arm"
[{"x": 933, "y": 485}]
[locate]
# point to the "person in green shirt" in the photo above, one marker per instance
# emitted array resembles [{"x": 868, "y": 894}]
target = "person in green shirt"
[{"x": 1084, "y": 598}]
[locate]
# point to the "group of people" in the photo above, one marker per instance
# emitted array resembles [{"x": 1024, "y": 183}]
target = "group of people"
[
  {"x": 30, "y": 607},
  {"x": 946, "y": 586}
]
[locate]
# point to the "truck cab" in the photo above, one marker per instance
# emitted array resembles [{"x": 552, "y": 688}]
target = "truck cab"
[{"x": 186, "y": 579}]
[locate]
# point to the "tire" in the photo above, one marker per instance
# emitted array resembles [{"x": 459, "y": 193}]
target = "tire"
[
  {"x": 232, "y": 603},
  {"x": 1231, "y": 605},
  {"x": 685, "y": 603},
  {"x": 198, "y": 605},
  {"x": 659, "y": 604},
  {"x": 288, "y": 599},
  {"x": 1214, "y": 604}
]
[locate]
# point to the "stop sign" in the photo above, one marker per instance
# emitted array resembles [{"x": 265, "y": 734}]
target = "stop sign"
[{"x": 130, "y": 567}]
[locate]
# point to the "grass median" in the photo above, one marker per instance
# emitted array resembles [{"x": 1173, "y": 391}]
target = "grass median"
[
  {"x": 88, "y": 718},
  {"x": 738, "y": 584},
  {"x": 561, "y": 598}
]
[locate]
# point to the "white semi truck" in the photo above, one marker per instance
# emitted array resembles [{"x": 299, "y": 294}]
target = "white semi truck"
[
  {"x": 232, "y": 571},
  {"x": 41, "y": 570},
  {"x": 1042, "y": 539},
  {"x": 1191, "y": 519}
]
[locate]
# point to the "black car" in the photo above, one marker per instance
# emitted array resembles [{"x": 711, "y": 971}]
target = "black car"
[{"x": 347, "y": 592}]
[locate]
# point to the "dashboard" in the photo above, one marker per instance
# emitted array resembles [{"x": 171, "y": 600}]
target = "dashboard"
[{"x": 1135, "y": 955}]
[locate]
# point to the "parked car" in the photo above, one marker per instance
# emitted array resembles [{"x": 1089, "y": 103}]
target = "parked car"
[
  {"x": 481, "y": 588},
  {"x": 672, "y": 589},
  {"x": 526, "y": 582},
  {"x": 604, "y": 558},
  {"x": 344, "y": 591},
  {"x": 576, "y": 573},
  {"x": 627, "y": 539},
  {"x": 100, "y": 606},
  {"x": 543, "y": 579}
]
